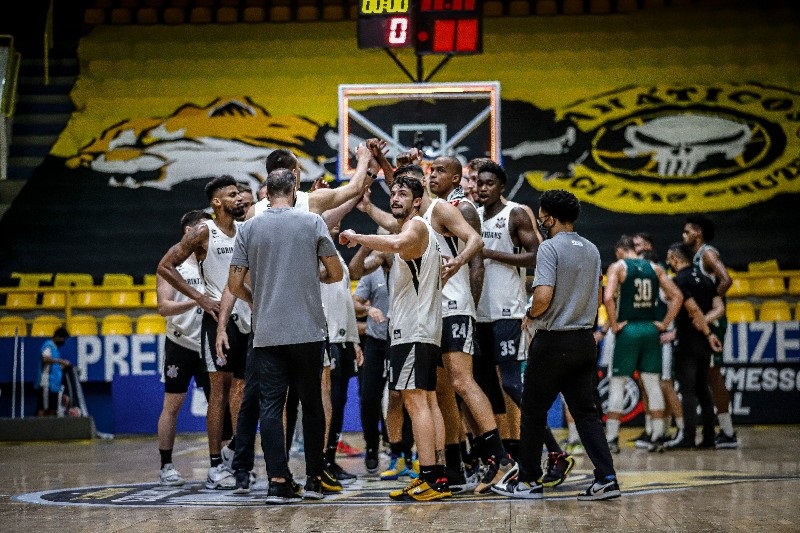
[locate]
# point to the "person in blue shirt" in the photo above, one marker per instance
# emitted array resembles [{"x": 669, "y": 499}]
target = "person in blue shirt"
[{"x": 51, "y": 373}]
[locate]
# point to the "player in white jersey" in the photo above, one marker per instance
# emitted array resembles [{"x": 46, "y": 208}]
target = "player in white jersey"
[
  {"x": 182, "y": 358},
  {"x": 698, "y": 232},
  {"x": 212, "y": 245},
  {"x": 415, "y": 328}
]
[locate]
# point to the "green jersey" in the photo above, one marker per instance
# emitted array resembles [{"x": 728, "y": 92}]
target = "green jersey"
[{"x": 638, "y": 295}]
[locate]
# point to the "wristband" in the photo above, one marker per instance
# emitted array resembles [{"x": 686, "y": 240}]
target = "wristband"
[
  {"x": 528, "y": 314},
  {"x": 370, "y": 174}
]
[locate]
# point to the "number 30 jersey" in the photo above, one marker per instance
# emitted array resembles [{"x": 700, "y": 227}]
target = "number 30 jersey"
[{"x": 638, "y": 295}]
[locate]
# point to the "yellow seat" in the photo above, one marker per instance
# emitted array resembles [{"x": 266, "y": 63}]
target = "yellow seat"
[
  {"x": 766, "y": 287},
  {"x": 117, "y": 280},
  {"x": 149, "y": 281},
  {"x": 794, "y": 285},
  {"x": 13, "y": 326},
  {"x": 115, "y": 324},
  {"x": 90, "y": 299},
  {"x": 53, "y": 300},
  {"x": 774, "y": 311},
  {"x": 151, "y": 324},
  {"x": 770, "y": 265},
  {"x": 739, "y": 288},
  {"x": 45, "y": 325},
  {"x": 21, "y": 300},
  {"x": 121, "y": 298},
  {"x": 149, "y": 299},
  {"x": 80, "y": 299},
  {"x": 740, "y": 311},
  {"x": 797, "y": 311},
  {"x": 82, "y": 325}
]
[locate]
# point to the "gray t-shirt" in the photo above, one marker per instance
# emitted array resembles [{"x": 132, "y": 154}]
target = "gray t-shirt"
[
  {"x": 281, "y": 247},
  {"x": 570, "y": 264},
  {"x": 374, "y": 287}
]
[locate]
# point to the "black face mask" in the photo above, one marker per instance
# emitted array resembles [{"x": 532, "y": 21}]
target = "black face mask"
[{"x": 544, "y": 230}]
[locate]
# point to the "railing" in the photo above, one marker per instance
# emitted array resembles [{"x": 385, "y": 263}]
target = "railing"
[{"x": 9, "y": 72}]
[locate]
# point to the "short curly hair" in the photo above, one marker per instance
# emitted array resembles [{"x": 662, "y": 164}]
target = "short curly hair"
[{"x": 562, "y": 205}]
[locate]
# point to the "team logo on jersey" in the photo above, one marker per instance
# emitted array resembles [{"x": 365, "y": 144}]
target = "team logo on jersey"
[
  {"x": 669, "y": 149},
  {"x": 342, "y": 332},
  {"x": 397, "y": 334},
  {"x": 172, "y": 371},
  {"x": 501, "y": 223}
]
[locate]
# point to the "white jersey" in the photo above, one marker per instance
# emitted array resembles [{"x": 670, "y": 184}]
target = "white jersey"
[
  {"x": 340, "y": 313},
  {"x": 697, "y": 260},
  {"x": 504, "y": 292},
  {"x": 415, "y": 308},
  {"x": 456, "y": 294},
  {"x": 301, "y": 203},
  {"x": 215, "y": 269},
  {"x": 184, "y": 329}
]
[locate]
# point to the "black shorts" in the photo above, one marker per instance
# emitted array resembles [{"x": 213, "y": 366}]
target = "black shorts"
[
  {"x": 342, "y": 358},
  {"x": 500, "y": 338},
  {"x": 181, "y": 365},
  {"x": 236, "y": 354},
  {"x": 412, "y": 365},
  {"x": 458, "y": 334}
]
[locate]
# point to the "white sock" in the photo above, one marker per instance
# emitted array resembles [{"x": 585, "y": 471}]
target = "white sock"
[
  {"x": 679, "y": 422},
  {"x": 658, "y": 429},
  {"x": 612, "y": 429},
  {"x": 726, "y": 423},
  {"x": 572, "y": 435},
  {"x": 648, "y": 424}
]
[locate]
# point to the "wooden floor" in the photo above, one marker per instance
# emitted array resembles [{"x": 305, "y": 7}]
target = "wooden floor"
[{"x": 44, "y": 488}]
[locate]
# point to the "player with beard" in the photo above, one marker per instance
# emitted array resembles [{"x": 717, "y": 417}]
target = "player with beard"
[{"x": 212, "y": 244}]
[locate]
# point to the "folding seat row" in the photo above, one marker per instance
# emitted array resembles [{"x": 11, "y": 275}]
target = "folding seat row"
[{"x": 112, "y": 324}]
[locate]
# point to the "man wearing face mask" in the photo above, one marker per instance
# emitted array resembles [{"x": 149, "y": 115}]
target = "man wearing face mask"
[{"x": 51, "y": 373}]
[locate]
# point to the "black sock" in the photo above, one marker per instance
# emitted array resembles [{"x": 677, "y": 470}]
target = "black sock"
[
  {"x": 408, "y": 453},
  {"x": 216, "y": 460},
  {"x": 550, "y": 442},
  {"x": 512, "y": 447},
  {"x": 491, "y": 445},
  {"x": 166, "y": 457},
  {"x": 466, "y": 456},
  {"x": 330, "y": 455},
  {"x": 439, "y": 473},
  {"x": 232, "y": 443},
  {"x": 427, "y": 473},
  {"x": 396, "y": 448},
  {"x": 452, "y": 457}
]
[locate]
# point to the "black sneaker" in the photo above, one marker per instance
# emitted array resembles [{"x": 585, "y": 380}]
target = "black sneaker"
[
  {"x": 242, "y": 482},
  {"x": 558, "y": 466},
  {"x": 280, "y": 493},
  {"x": 345, "y": 478},
  {"x": 313, "y": 489},
  {"x": 725, "y": 442},
  {"x": 329, "y": 482},
  {"x": 601, "y": 489},
  {"x": 371, "y": 461}
]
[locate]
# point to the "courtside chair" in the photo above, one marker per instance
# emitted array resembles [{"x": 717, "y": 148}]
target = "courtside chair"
[
  {"x": 45, "y": 325},
  {"x": 116, "y": 324},
  {"x": 775, "y": 311},
  {"x": 82, "y": 325},
  {"x": 740, "y": 311},
  {"x": 151, "y": 324},
  {"x": 13, "y": 326}
]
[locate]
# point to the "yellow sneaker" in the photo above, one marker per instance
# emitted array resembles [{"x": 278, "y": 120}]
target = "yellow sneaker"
[
  {"x": 397, "y": 468},
  {"x": 422, "y": 491}
]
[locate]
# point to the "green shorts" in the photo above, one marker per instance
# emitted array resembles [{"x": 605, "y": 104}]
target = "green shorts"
[
  {"x": 637, "y": 346},
  {"x": 720, "y": 327}
]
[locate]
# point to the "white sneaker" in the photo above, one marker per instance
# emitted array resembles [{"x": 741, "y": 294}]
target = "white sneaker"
[
  {"x": 503, "y": 485},
  {"x": 520, "y": 489},
  {"x": 169, "y": 476},
  {"x": 220, "y": 477},
  {"x": 227, "y": 457}
]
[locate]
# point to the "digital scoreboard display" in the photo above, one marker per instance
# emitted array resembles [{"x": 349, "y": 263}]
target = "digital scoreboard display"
[{"x": 429, "y": 26}]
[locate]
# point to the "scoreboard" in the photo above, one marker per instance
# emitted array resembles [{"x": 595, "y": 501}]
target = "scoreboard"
[{"x": 429, "y": 26}]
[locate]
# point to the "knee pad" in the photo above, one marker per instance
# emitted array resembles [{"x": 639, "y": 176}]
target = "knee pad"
[
  {"x": 616, "y": 395},
  {"x": 655, "y": 398}
]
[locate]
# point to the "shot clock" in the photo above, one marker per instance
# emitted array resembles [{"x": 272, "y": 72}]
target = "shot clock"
[{"x": 429, "y": 26}]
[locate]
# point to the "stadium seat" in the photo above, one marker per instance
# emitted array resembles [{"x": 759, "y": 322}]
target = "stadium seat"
[
  {"x": 21, "y": 300},
  {"x": 147, "y": 15},
  {"x": 332, "y": 12},
  {"x": 53, "y": 300},
  {"x": 739, "y": 287},
  {"x": 572, "y": 7},
  {"x": 116, "y": 324},
  {"x": 627, "y": 6},
  {"x": 121, "y": 15},
  {"x": 774, "y": 311},
  {"x": 121, "y": 298},
  {"x": 650, "y": 4},
  {"x": 89, "y": 299},
  {"x": 797, "y": 311},
  {"x": 519, "y": 8},
  {"x": 82, "y": 325},
  {"x": 492, "y": 8},
  {"x": 307, "y": 13},
  {"x": 766, "y": 287},
  {"x": 770, "y": 265},
  {"x": 174, "y": 15},
  {"x": 200, "y": 15},
  {"x": 599, "y": 7},
  {"x": 740, "y": 311},
  {"x": 151, "y": 324},
  {"x": 227, "y": 15},
  {"x": 150, "y": 299},
  {"x": 94, "y": 16},
  {"x": 546, "y": 7},
  {"x": 794, "y": 285},
  {"x": 13, "y": 326},
  {"x": 45, "y": 325},
  {"x": 280, "y": 14},
  {"x": 253, "y": 14},
  {"x": 149, "y": 280}
]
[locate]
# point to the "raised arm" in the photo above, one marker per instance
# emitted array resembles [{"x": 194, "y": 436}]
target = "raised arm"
[
  {"x": 322, "y": 200},
  {"x": 410, "y": 243},
  {"x": 379, "y": 216}
]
